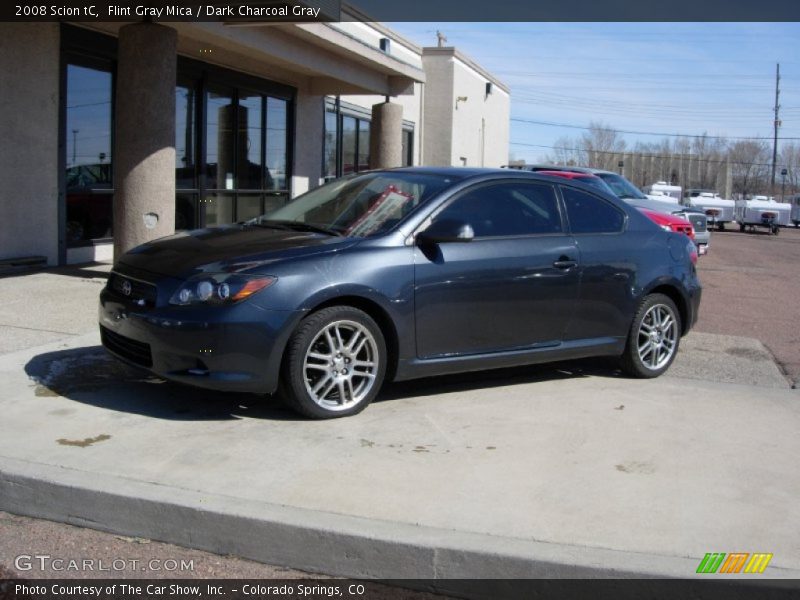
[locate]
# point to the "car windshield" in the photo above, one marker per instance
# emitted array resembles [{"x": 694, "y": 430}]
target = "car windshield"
[
  {"x": 621, "y": 186},
  {"x": 359, "y": 205}
]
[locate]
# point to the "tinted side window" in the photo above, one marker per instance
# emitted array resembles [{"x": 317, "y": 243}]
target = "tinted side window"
[
  {"x": 590, "y": 214},
  {"x": 507, "y": 209}
]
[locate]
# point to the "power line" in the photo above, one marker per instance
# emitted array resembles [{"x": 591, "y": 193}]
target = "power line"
[
  {"x": 678, "y": 135},
  {"x": 646, "y": 155}
]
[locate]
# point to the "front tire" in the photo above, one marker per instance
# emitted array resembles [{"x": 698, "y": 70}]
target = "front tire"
[
  {"x": 335, "y": 363},
  {"x": 653, "y": 339}
]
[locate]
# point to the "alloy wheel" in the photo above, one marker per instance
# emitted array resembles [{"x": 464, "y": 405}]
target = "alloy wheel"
[
  {"x": 658, "y": 337},
  {"x": 340, "y": 365}
]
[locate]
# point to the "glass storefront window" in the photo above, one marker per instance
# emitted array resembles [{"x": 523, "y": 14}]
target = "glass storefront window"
[
  {"x": 348, "y": 145},
  {"x": 89, "y": 146},
  {"x": 277, "y": 118},
  {"x": 185, "y": 211},
  {"x": 185, "y": 107},
  {"x": 248, "y": 206},
  {"x": 218, "y": 208},
  {"x": 347, "y": 139},
  {"x": 331, "y": 135},
  {"x": 220, "y": 113},
  {"x": 363, "y": 145},
  {"x": 249, "y": 153},
  {"x": 408, "y": 148}
]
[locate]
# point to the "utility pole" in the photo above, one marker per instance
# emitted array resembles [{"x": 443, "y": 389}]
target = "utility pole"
[{"x": 777, "y": 124}]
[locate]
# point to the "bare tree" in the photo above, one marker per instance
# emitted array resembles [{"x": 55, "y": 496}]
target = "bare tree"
[
  {"x": 710, "y": 153},
  {"x": 750, "y": 166},
  {"x": 566, "y": 152},
  {"x": 789, "y": 159},
  {"x": 600, "y": 143}
]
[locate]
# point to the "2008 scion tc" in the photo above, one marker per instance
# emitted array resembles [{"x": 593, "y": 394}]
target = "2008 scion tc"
[{"x": 391, "y": 275}]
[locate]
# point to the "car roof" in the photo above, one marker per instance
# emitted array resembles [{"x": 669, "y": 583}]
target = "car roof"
[
  {"x": 455, "y": 172},
  {"x": 567, "y": 174},
  {"x": 464, "y": 173},
  {"x": 535, "y": 168}
]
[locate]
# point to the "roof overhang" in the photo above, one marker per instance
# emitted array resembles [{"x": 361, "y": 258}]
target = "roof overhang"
[{"x": 336, "y": 63}]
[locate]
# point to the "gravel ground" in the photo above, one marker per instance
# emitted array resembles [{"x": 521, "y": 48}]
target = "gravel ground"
[{"x": 751, "y": 287}]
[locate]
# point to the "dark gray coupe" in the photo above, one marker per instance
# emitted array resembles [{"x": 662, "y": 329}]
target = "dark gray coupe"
[{"x": 391, "y": 275}]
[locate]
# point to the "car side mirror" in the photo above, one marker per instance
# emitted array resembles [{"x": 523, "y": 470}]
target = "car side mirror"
[{"x": 446, "y": 231}]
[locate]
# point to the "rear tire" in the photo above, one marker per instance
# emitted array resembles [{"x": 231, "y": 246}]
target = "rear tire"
[
  {"x": 741, "y": 227},
  {"x": 335, "y": 363},
  {"x": 653, "y": 339}
]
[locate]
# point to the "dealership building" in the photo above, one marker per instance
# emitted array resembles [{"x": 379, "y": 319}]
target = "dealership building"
[{"x": 115, "y": 133}]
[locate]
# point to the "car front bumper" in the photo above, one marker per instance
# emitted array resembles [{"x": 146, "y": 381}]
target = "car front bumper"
[{"x": 236, "y": 348}]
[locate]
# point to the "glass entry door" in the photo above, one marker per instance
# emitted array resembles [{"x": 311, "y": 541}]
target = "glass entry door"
[{"x": 246, "y": 155}]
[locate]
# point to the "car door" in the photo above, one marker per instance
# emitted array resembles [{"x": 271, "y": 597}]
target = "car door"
[
  {"x": 512, "y": 287},
  {"x": 608, "y": 266}
]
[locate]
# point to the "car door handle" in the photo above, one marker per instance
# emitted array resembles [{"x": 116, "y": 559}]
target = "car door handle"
[{"x": 565, "y": 263}]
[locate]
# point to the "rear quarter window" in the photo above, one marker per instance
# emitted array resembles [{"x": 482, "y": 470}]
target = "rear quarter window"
[{"x": 588, "y": 213}]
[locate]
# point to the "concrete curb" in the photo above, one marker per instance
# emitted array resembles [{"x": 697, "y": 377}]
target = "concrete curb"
[{"x": 312, "y": 540}]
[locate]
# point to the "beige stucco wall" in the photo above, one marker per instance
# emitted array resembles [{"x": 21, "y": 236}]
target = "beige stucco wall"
[
  {"x": 29, "y": 74},
  {"x": 472, "y": 132},
  {"x": 480, "y": 124},
  {"x": 437, "y": 147}
]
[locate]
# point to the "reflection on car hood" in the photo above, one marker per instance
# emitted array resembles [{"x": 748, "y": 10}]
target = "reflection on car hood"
[{"x": 234, "y": 248}]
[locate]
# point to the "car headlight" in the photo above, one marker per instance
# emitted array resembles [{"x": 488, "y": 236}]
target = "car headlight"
[
  {"x": 219, "y": 288},
  {"x": 666, "y": 227}
]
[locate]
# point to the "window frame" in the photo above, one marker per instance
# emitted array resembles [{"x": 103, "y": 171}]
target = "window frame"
[{"x": 519, "y": 181}]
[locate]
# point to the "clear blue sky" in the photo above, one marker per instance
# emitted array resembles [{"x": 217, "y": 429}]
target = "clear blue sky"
[{"x": 684, "y": 78}]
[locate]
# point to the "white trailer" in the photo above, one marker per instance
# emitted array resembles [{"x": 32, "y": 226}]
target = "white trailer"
[
  {"x": 718, "y": 210},
  {"x": 661, "y": 190},
  {"x": 795, "y": 213},
  {"x": 762, "y": 211}
]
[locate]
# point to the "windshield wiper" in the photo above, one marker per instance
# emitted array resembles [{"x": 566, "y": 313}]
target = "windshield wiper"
[{"x": 297, "y": 226}]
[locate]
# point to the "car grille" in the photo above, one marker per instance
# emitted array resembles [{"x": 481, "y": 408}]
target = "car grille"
[
  {"x": 140, "y": 292},
  {"x": 136, "y": 352},
  {"x": 699, "y": 222}
]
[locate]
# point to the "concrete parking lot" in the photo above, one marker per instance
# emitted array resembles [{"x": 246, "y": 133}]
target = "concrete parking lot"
[{"x": 566, "y": 470}]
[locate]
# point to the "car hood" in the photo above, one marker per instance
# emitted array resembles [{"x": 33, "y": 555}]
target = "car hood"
[{"x": 235, "y": 248}]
